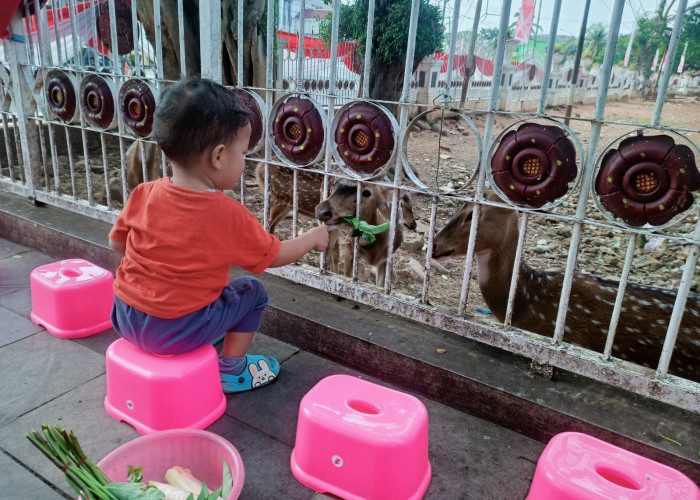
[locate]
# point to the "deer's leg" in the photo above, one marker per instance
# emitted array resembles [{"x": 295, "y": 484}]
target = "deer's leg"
[
  {"x": 277, "y": 213},
  {"x": 333, "y": 252}
]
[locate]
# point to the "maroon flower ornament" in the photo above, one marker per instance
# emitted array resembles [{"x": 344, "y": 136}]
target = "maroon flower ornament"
[
  {"x": 97, "y": 102},
  {"x": 364, "y": 138},
  {"x": 125, "y": 31},
  {"x": 254, "y": 104},
  {"x": 297, "y": 129},
  {"x": 61, "y": 96},
  {"x": 137, "y": 104},
  {"x": 534, "y": 164},
  {"x": 647, "y": 180}
]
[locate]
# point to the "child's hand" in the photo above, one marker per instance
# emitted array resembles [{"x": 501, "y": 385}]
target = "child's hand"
[{"x": 318, "y": 237}]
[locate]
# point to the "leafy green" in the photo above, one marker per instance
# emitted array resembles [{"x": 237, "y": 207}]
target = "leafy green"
[
  {"x": 227, "y": 485},
  {"x": 363, "y": 229},
  {"x": 134, "y": 474},
  {"x": 134, "y": 491}
]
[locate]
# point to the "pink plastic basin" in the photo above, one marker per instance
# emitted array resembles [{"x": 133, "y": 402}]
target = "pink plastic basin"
[{"x": 200, "y": 451}]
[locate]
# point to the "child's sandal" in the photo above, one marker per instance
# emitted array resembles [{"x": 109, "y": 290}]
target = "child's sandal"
[{"x": 259, "y": 371}]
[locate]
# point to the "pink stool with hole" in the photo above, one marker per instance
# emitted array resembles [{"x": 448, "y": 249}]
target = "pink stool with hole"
[
  {"x": 360, "y": 440},
  {"x": 156, "y": 393},
  {"x": 575, "y": 466},
  {"x": 72, "y": 298}
]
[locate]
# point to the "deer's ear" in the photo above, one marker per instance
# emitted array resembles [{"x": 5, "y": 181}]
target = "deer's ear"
[{"x": 366, "y": 193}]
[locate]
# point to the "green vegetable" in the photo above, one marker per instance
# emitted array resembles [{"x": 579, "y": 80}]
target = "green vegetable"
[
  {"x": 362, "y": 228},
  {"x": 91, "y": 483}
]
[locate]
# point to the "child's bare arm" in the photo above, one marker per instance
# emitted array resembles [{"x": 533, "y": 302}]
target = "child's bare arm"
[
  {"x": 118, "y": 246},
  {"x": 293, "y": 250}
]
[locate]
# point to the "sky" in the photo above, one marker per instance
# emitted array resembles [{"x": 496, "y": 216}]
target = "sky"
[{"x": 569, "y": 20}]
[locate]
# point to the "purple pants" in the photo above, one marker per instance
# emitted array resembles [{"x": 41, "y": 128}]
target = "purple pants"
[{"x": 238, "y": 309}]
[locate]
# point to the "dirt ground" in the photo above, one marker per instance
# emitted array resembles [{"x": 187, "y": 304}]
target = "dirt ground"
[{"x": 445, "y": 162}]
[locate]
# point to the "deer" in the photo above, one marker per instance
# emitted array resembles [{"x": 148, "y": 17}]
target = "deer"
[
  {"x": 375, "y": 209},
  {"x": 645, "y": 311},
  {"x": 134, "y": 168},
  {"x": 309, "y": 189}
]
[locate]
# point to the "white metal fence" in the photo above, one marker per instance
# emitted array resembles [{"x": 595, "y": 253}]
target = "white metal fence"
[{"x": 72, "y": 111}]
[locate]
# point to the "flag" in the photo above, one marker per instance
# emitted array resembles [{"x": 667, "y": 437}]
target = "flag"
[
  {"x": 680, "y": 65},
  {"x": 629, "y": 50},
  {"x": 663, "y": 62},
  {"x": 522, "y": 28},
  {"x": 656, "y": 60}
]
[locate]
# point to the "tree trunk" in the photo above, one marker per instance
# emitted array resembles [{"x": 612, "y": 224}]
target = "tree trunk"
[
  {"x": 254, "y": 45},
  {"x": 170, "y": 34},
  {"x": 386, "y": 84},
  {"x": 254, "y": 55}
]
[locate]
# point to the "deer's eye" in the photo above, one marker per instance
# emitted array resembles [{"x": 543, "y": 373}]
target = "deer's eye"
[{"x": 366, "y": 193}]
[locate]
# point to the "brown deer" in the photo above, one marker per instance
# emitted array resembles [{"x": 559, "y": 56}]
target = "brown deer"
[
  {"x": 644, "y": 314},
  {"x": 134, "y": 169},
  {"x": 375, "y": 209},
  {"x": 309, "y": 189}
]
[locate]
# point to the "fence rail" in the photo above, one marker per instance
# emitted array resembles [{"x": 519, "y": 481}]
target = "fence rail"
[{"x": 75, "y": 129}]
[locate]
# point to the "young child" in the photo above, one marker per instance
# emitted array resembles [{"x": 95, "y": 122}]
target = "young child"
[{"x": 180, "y": 235}]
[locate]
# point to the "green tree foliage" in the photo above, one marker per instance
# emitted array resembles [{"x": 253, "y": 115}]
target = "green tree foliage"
[
  {"x": 596, "y": 36},
  {"x": 652, "y": 33},
  {"x": 690, "y": 34},
  {"x": 389, "y": 42},
  {"x": 621, "y": 49}
]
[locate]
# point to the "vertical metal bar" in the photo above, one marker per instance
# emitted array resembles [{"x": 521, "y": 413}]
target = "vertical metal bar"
[
  {"x": 77, "y": 62},
  {"x": 679, "y": 304},
  {"x": 116, "y": 67},
  {"x": 620, "y": 296},
  {"x": 105, "y": 166},
  {"x": 59, "y": 37},
  {"x": 239, "y": 46},
  {"x": 488, "y": 136},
  {"x": 451, "y": 54},
  {"x": 403, "y": 122},
  {"x": 210, "y": 40},
  {"x": 136, "y": 31},
  {"x": 268, "y": 102},
  {"x": 17, "y": 54},
  {"x": 29, "y": 37},
  {"x": 577, "y": 61},
  {"x": 69, "y": 149},
  {"x": 42, "y": 33},
  {"x": 18, "y": 145},
  {"x": 88, "y": 176},
  {"x": 470, "y": 56},
  {"x": 516, "y": 269},
  {"x": 42, "y": 146},
  {"x": 670, "y": 56},
  {"x": 428, "y": 259},
  {"x": 332, "y": 88},
  {"x": 8, "y": 147},
  {"x": 54, "y": 159},
  {"x": 95, "y": 37},
  {"x": 550, "y": 53},
  {"x": 216, "y": 27},
  {"x": 589, "y": 167},
  {"x": 301, "y": 55}
]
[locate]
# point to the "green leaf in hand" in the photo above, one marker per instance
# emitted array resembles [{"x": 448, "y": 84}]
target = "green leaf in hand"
[{"x": 362, "y": 228}]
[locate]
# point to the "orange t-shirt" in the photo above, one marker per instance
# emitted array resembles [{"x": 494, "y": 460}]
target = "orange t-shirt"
[{"x": 180, "y": 244}]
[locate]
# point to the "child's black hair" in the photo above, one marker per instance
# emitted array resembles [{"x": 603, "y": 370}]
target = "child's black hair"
[{"x": 194, "y": 116}]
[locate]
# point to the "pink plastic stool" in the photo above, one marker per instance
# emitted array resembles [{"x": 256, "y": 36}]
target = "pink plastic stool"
[
  {"x": 155, "y": 393},
  {"x": 71, "y": 298},
  {"x": 575, "y": 466},
  {"x": 360, "y": 440}
]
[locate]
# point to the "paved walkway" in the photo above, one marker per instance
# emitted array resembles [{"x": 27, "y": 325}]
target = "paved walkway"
[{"x": 50, "y": 380}]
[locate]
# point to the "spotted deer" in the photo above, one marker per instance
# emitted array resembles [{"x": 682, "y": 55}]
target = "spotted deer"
[
  {"x": 309, "y": 192},
  {"x": 375, "y": 209},
  {"x": 644, "y": 314},
  {"x": 134, "y": 168}
]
